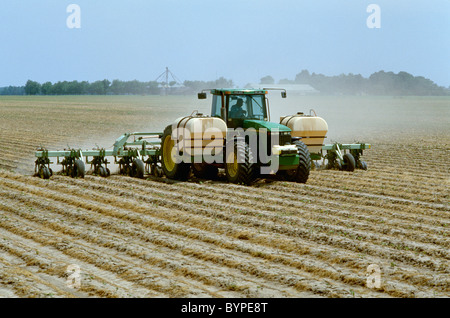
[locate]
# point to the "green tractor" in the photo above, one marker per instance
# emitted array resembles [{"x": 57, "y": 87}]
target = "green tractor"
[{"x": 237, "y": 137}]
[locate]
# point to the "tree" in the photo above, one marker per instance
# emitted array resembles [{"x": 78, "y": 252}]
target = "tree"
[
  {"x": 221, "y": 82},
  {"x": 267, "y": 80},
  {"x": 303, "y": 77},
  {"x": 46, "y": 88},
  {"x": 106, "y": 84},
  {"x": 32, "y": 88},
  {"x": 12, "y": 90},
  {"x": 97, "y": 88},
  {"x": 196, "y": 86},
  {"x": 152, "y": 87},
  {"x": 117, "y": 87}
]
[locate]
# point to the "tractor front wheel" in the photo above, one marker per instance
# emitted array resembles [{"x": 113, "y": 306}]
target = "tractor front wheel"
[
  {"x": 239, "y": 166},
  {"x": 301, "y": 174}
]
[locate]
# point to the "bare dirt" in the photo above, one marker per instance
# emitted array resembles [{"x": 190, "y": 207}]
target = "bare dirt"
[{"x": 157, "y": 238}]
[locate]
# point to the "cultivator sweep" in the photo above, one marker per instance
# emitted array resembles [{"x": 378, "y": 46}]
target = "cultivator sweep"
[{"x": 296, "y": 145}]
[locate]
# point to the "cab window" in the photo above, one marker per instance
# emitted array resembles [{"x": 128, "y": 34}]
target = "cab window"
[
  {"x": 246, "y": 106},
  {"x": 216, "y": 106},
  {"x": 258, "y": 107},
  {"x": 237, "y": 106}
]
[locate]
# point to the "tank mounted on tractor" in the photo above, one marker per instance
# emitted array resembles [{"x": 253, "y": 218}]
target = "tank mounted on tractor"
[{"x": 237, "y": 137}]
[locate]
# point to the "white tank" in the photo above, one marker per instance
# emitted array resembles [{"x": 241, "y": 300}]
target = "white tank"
[
  {"x": 199, "y": 132},
  {"x": 312, "y": 129}
]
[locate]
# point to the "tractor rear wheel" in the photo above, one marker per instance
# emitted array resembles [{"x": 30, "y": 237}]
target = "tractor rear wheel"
[
  {"x": 301, "y": 174},
  {"x": 239, "y": 166},
  {"x": 172, "y": 169}
]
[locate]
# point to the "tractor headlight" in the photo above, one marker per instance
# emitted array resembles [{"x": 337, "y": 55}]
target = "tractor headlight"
[
  {"x": 284, "y": 150},
  {"x": 276, "y": 150}
]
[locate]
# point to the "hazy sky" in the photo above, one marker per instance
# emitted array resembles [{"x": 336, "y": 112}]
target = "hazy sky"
[{"x": 206, "y": 39}]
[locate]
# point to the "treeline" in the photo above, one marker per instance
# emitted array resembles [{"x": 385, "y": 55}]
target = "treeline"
[
  {"x": 116, "y": 87},
  {"x": 103, "y": 87},
  {"x": 379, "y": 83},
  {"x": 197, "y": 86},
  {"x": 12, "y": 90}
]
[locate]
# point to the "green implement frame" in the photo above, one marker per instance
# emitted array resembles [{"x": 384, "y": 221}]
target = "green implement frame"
[
  {"x": 135, "y": 158},
  {"x": 142, "y": 155},
  {"x": 342, "y": 156}
]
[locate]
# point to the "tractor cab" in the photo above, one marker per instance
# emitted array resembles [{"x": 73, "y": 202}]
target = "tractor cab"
[
  {"x": 246, "y": 108},
  {"x": 235, "y": 106}
]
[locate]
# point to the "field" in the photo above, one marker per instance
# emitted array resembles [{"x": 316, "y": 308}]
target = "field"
[{"x": 127, "y": 237}]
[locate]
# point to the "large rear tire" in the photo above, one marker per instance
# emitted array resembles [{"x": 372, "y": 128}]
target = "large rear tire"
[
  {"x": 242, "y": 170},
  {"x": 172, "y": 169}
]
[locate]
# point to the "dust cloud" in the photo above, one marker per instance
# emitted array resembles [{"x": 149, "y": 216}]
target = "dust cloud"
[{"x": 366, "y": 119}]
